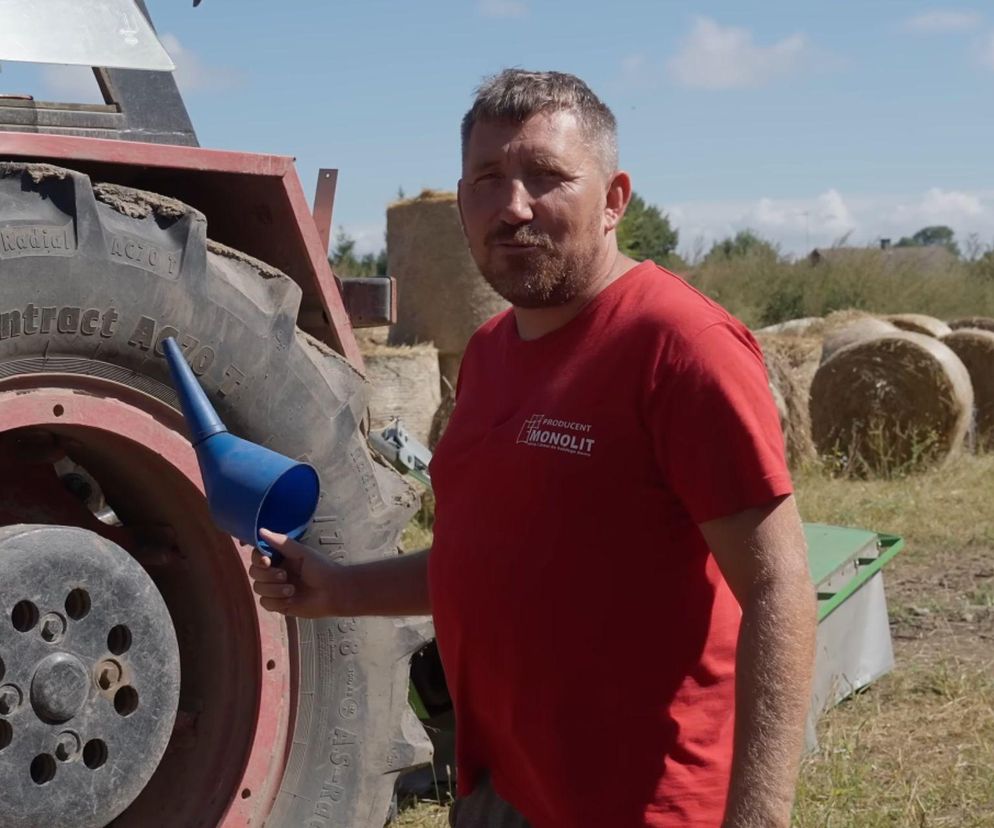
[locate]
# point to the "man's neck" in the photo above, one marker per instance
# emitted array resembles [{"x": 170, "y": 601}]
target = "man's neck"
[{"x": 533, "y": 323}]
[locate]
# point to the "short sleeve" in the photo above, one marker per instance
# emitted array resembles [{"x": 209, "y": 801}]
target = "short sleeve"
[{"x": 715, "y": 427}]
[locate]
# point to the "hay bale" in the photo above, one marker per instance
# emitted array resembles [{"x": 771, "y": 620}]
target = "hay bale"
[
  {"x": 794, "y": 327},
  {"x": 984, "y": 323},
  {"x": 791, "y": 362},
  {"x": 404, "y": 383},
  {"x": 975, "y": 347},
  {"x": 889, "y": 404},
  {"x": 448, "y": 365},
  {"x": 372, "y": 337},
  {"x": 440, "y": 420},
  {"x": 441, "y": 296},
  {"x": 854, "y": 329},
  {"x": 919, "y": 323}
]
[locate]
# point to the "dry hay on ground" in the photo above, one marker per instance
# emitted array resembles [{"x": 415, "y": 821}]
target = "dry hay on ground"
[
  {"x": 791, "y": 362},
  {"x": 890, "y": 403},
  {"x": 855, "y": 329},
  {"x": 975, "y": 348},
  {"x": 919, "y": 323},
  {"x": 984, "y": 323},
  {"x": 441, "y": 296},
  {"x": 404, "y": 383}
]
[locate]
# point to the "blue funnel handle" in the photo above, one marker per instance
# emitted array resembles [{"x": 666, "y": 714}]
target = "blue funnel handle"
[{"x": 201, "y": 418}]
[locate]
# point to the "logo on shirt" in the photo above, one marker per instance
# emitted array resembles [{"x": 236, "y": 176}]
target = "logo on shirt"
[{"x": 561, "y": 435}]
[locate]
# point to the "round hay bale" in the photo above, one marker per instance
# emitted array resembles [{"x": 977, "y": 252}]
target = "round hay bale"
[
  {"x": 404, "y": 384},
  {"x": 891, "y": 404},
  {"x": 919, "y": 323},
  {"x": 441, "y": 296},
  {"x": 791, "y": 362},
  {"x": 856, "y": 329},
  {"x": 975, "y": 347},
  {"x": 372, "y": 337},
  {"x": 984, "y": 323},
  {"x": 440, "y": 421},
  {"x": 794, "y": 327},
  {"x": 448, "y": 365}
]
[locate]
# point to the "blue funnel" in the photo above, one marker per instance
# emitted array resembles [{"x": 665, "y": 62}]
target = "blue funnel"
[{"x": 248, "y": 487}]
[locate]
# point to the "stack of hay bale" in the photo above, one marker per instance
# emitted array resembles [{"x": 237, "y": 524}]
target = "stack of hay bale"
[
  {"x": 441, "y": 296},
  {"x": 884, "y": 394},
  {"x": 441, "y": 300}
]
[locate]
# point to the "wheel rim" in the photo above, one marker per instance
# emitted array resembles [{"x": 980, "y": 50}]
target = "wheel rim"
[
  {"x": 91, "y": 678},
  {"x": 235, "y": 709}
]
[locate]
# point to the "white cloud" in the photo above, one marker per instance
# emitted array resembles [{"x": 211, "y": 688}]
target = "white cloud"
[
  {"x": 369, "y": 238},
  {"x": 502, "y": 8},
  {"x": 77, "y": 84},
  {"x": 800, "y": 224},
  {"x": 942, "y": 207},
  {"x": 726, "y": 57},
  {"x": 942, "y": 20},
  {"x": 192, "y": 74}
]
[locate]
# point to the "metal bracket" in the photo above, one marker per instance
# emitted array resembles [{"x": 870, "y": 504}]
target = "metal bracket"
[
  {"x": 369, "y": 301},
  {"x": 402, "y": 451}
]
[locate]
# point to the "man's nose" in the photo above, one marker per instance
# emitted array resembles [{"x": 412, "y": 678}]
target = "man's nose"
[{"x": 517, "y": 206}]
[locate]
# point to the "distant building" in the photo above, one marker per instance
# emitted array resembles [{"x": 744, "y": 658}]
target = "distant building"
[{"x": 931, "y": 258}]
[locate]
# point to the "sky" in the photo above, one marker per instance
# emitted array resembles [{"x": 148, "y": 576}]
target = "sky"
[{"x": 807, "y": 122}]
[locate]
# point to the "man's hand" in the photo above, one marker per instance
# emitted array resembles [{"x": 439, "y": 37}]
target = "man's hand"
[{"x": 306, "y": 585}]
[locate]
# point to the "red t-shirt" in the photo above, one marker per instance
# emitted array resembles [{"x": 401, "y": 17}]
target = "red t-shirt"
[{"x": 587, "y": 635}]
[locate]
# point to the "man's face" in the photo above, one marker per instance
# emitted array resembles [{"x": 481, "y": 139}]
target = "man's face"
[{"x": 532, "y": 199}]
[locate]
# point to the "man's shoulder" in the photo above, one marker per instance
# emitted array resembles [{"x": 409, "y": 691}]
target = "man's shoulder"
[
  {"x": 664, "y": 304},
  {"x": 492, "y": 329}
]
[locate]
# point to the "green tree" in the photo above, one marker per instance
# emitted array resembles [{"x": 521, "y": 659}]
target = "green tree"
[
  {"x": 935, "y": 235},
  {"x": 742, "y": 244},
  {"x": 645, "y": 233},
  {"x": 347, "y": 264}
]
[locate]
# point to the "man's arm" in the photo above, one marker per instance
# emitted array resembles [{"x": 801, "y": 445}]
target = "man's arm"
[
  {"x": 309, "y": 585},
  {"x": 762, "y": 555}
]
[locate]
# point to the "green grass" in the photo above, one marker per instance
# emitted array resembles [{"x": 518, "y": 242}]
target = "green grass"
[{"x": 762, "y": 289}]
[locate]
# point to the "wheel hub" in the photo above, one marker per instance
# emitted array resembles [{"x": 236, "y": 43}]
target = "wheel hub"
[
  {"x": 59, "y": 688},
  {"x": 89, "y": 677}
]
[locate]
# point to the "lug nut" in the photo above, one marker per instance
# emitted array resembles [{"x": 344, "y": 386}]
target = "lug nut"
[
  {"x": 10, "y": 699},
  {"x": 66, "y": 746},
  {"x": 52, "y": 628},
  {"x": 108, "y": 674}
]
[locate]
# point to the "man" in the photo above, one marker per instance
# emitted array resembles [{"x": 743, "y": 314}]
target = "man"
[{"x": 618, "y": 576}]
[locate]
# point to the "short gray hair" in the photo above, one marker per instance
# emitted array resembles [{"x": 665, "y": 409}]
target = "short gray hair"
[{"x": 515, "y": 95}]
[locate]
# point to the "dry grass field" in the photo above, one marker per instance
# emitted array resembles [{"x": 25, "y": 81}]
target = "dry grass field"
[{"x": 917, "y": 748}]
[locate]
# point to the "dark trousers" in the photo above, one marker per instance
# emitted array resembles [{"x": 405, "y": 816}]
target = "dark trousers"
[{"x": 484, "y": 809}]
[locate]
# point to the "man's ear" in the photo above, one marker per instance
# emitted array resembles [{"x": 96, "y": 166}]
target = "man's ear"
[
  {"x": 619, "y": 193},
  {"x": 462, "y": 223}
]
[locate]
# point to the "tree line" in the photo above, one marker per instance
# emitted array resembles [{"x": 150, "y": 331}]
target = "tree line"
[{"x": 647, "y": 233}]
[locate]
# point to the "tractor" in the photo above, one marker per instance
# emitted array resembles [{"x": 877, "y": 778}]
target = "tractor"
[{"x": 140, "y": 683}]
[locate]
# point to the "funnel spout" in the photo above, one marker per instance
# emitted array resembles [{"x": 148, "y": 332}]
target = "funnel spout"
[{"x": 201, "y": 418}]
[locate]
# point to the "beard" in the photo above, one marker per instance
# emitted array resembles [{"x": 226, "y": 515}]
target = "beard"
[{"x": 544, "y": 276}]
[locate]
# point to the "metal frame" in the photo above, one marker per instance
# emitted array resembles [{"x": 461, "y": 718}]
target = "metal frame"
[{"x": 139, "y": 105}]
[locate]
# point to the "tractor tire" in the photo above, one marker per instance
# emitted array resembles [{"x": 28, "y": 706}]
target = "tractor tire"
[{"x": 92, "y": 278}]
